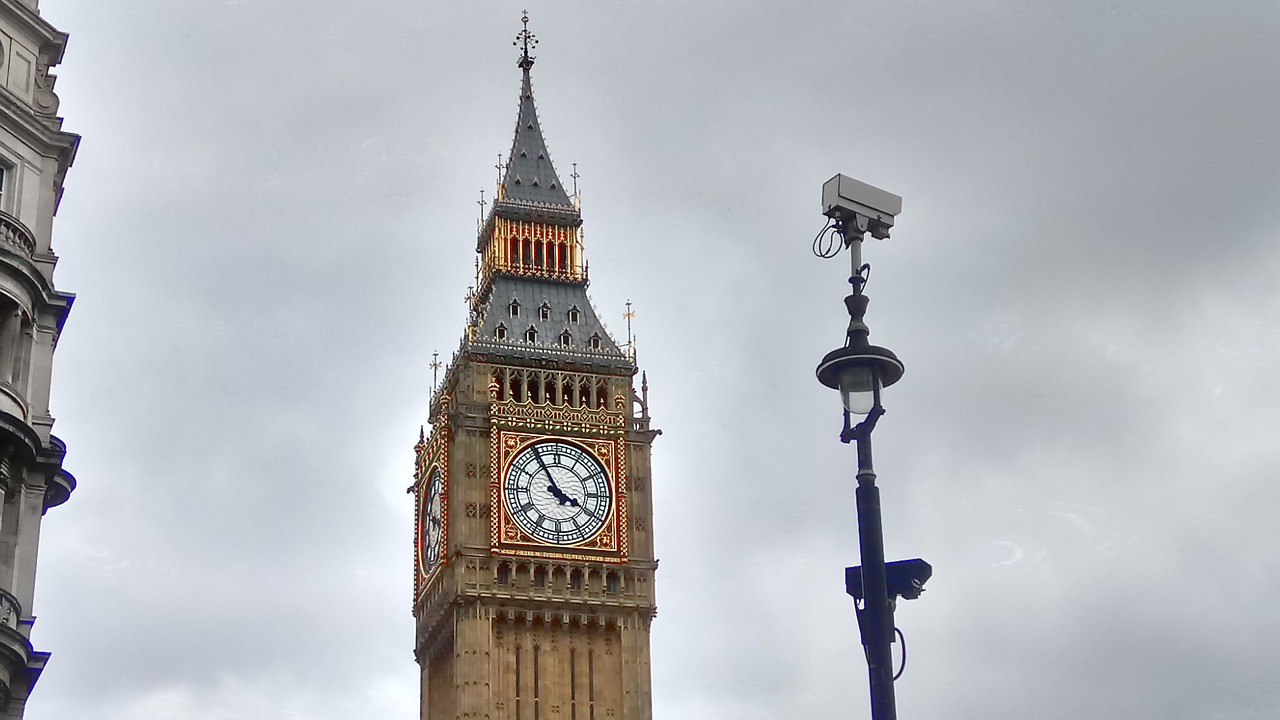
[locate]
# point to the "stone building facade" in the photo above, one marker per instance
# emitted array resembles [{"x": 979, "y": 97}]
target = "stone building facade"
[
  {"x": 534, "y": 564},
  {"x": 35, "y": 154}
]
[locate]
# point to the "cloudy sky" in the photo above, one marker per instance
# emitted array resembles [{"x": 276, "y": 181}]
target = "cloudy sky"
[{"x": 270, "y": 227}]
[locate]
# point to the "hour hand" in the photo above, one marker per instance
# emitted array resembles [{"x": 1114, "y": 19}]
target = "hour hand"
[{"x": 560, "y": 495}]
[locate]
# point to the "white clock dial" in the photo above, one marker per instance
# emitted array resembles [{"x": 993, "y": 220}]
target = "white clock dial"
[{"x": 431, "y": 535}]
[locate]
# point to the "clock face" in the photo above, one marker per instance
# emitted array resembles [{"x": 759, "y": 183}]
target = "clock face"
[
  {"x": 432, "y": 538},
  {"x": 558, "y": 493}
]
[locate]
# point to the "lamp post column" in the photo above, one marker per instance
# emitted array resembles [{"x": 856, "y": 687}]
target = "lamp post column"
[{"x": 876, "y": 614}]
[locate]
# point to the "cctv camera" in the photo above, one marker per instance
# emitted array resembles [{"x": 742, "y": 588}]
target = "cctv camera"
[{"x": 861, "y": 205}]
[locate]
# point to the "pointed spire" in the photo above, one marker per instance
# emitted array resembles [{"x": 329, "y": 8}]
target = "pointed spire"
[{"x": 530, "y": 176}]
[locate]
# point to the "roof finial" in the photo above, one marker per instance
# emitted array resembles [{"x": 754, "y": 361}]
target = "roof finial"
[
  {"x": 575, "y": 178},
  {"x": 526, "y": 41},
  {"x": 631, "y": 341},
  {"x": 482, "y": 203},
  {"x": 435, "y": 371}
]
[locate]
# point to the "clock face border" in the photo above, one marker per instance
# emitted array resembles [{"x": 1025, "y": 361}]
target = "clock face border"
[
  {"x": 609, "y": 544},
  {"x": 433, "y": 454},
  {"x": 583, "y": 493},
  {"x": 428, "y": 570}
]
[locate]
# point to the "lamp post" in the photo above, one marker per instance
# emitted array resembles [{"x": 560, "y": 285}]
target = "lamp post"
[{"x": 860, "y": 370}]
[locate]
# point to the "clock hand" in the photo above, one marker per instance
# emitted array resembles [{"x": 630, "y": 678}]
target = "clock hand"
[
  {"x": 561, "y": 495},
  {"x": 554, "y": 489}
]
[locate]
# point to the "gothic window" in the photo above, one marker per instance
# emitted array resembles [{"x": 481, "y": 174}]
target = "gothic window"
[
  {"x": 575, "y": 580},
  {"x": 540, "y": 577},
  {"x": 566, "y": 339},
  {"x": 531, "y": 335},
  {"x": 500, "y": 332},
  {"x": 544, "y": 311},
  {"x": 573, "y": 684},
  {"x": 535, "y": 389},
  {"x": 574, "y": 315},
  {"x": 612, "y": 583},
  {"x": 514, "y": 307},
  {"x": 517, "y": 386},
  {"x": 595, "y": 341},
  {"x": 504, "y": 574}
]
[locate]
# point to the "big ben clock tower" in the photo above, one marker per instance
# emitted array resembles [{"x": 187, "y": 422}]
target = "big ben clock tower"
[{"x": 534, "y": 564}]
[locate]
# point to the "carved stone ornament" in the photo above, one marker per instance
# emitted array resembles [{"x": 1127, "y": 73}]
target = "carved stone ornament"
[{"x": 46, "y": 100}]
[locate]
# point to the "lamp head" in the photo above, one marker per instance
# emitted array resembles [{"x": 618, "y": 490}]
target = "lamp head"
[{"x": 859, "y": 371}]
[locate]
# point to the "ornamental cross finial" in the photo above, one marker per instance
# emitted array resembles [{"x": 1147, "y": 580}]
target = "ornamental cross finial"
[
  {"x": 435, "y": 370},
  {"x": 575, "y": 178},
  {"x": 526, "y": 41},
  {"x": 481, "y": 203},
  {"x": 631, "y": 340}
]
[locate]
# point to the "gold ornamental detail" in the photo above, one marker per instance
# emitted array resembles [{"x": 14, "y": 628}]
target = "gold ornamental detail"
[
  {"x": 431, "y": 453},
  {"x": 508, "y": 538},
  {"x": 559, "y": 417},
  {"x": 534, "y": 249}
]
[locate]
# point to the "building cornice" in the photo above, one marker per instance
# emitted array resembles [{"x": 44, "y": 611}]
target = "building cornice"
[
  {"x": 38, "y": 130},
  {"x": 53, "y": 42}
]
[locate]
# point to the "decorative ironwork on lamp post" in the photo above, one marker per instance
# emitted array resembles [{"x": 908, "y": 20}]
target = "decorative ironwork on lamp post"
[{"x": 860, "y": 370}]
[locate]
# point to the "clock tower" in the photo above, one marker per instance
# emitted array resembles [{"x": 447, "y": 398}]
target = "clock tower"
[{"x": 534, "y": 564}]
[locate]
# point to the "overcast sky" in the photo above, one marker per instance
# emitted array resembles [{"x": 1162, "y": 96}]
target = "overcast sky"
[{"x": 270, "y": 227}]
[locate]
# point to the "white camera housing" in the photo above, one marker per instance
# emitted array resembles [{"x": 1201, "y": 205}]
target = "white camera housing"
[{"x": 867, "y": 206}]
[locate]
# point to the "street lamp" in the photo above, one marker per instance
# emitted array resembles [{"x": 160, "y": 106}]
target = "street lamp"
[{"x": 860, "y": 370}]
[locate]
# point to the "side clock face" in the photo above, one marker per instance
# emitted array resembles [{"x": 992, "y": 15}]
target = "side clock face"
[
  {"x": 558, "y": 493},
  {"x": 432, "y": 522}
]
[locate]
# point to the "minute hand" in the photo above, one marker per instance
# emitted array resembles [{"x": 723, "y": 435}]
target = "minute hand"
[{"x": 553, "y": 488}]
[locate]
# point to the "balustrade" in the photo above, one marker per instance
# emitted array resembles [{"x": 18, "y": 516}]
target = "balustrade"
[{"x": 16, "y": 235}]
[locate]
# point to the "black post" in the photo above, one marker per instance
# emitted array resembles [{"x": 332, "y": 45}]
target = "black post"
[{"x": 876, "y": 615}]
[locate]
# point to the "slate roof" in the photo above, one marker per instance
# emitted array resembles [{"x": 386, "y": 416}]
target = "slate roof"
[
  {"x": 530, "y": 177},
  {"x": 559, "y": 298}
]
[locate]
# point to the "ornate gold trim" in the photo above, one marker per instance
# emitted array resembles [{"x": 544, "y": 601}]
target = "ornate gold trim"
[
  {"x": 434, "y": 453},
  {"x": 506, "y": 536},
  {"x": 584, "y": 420}
]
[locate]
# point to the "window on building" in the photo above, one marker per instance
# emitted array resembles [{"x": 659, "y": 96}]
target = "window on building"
[
  {"x": 544, "y": 312},
  {"x": 575, "y": 580},
  {"x": 500, "y": 332},
  {"x": 540, "y": 577},
  {"x": 574, "y": 315},
  {"x": 612, "y": 583},
  {"x": 515, "y": 308},
  {"x": 595, "y": 341},
  {"x": 566, "y": 339},
  {"x": 531, "y": 335},
  {"x": 504, "y": 574}
]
